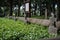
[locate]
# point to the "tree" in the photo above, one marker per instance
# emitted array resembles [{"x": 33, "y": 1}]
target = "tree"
[
  {"x": 18, "y": 7},
  {"x": 20, "y": 2}
]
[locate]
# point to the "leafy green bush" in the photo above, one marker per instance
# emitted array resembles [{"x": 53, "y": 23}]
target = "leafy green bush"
[{"x": 18, "y": 30}]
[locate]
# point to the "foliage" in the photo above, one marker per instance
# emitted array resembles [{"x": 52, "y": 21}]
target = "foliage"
[
  {"x": 40, "y": 17},
  {"x": 18, "y": 30}
]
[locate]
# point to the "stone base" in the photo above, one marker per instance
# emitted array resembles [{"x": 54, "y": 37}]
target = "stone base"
[
  {"x": 58, "y": 24},
  {"x": 52, "y": 30}
]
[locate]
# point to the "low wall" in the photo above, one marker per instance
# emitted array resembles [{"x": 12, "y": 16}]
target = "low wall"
[
  {"x": 44, "y": 22},
  {"x": 40, "y": 21}
]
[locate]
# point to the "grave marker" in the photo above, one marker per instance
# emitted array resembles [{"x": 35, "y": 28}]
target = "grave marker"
[{"x": 52, "y": 27}]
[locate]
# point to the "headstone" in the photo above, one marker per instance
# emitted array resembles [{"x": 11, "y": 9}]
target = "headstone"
[{"x": 52, "y": 29}]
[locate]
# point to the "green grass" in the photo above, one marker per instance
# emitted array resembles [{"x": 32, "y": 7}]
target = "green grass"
[
  {"x": 39, "y": 17},
  {"x": 18, "y": 30}
]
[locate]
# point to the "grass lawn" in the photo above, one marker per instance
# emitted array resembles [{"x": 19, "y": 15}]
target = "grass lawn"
[
  {"x": 39, "y": 17},
  {"x": 18, "y": 30}
]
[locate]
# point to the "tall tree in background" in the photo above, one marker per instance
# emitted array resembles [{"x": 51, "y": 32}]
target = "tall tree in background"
[
  {"x": 18, "y": 7},
  {"x": 35, "y": 7},
  {"x": 11, "y": 5}
]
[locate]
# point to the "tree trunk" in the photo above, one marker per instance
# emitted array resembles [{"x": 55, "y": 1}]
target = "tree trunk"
[
  {"x": 11, "y": 8},
  {"x": 35, "y": 9},
  {"x": 19, "y": 8},
  {"x": 45, "y": 13},
  {"x": 40, "y": 12},
  {"x": 58, "y": 11},
  {"x": 29, "y": 9}
]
